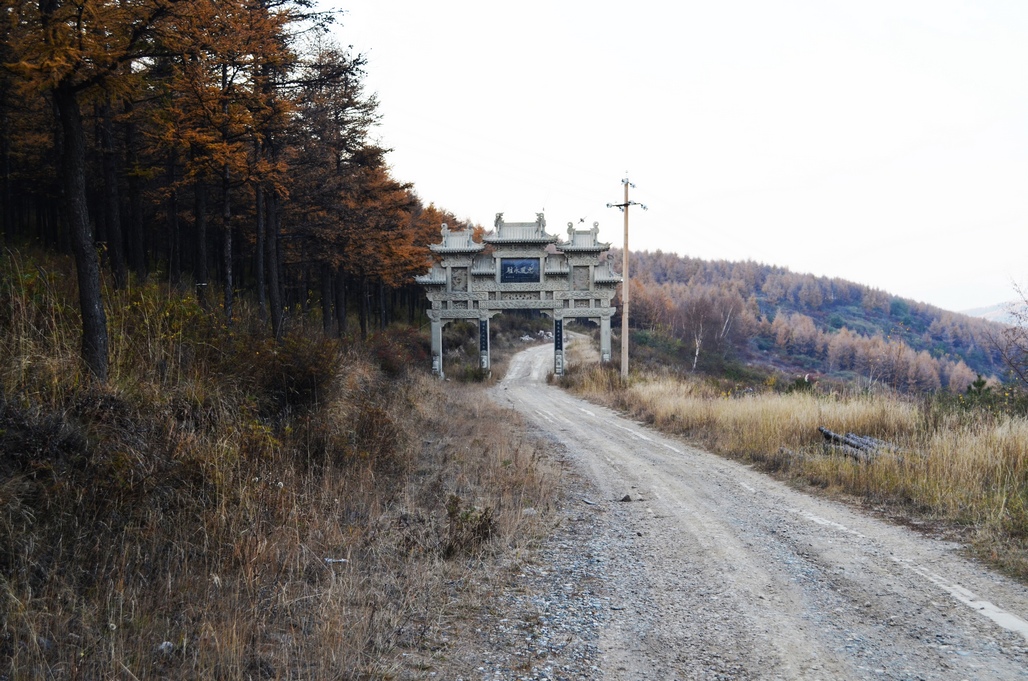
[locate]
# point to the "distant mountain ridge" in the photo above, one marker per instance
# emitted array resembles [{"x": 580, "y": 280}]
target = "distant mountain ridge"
[
  {"x": 999, "y": 313},
  {"x": 801, "y": 323}
]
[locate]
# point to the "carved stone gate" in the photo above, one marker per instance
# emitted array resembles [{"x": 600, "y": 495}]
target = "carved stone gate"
[{"x": 520, "y": 267}]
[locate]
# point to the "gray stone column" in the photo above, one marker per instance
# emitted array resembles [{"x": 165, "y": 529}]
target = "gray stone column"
[
  {"x": 558, "y": 346},
  {"x": 605, "y": 339},
  {"x": 483, "y": 343},
  {"x": 437, "y": 347}
]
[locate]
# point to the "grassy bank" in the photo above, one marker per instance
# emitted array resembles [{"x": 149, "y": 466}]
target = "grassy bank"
[
  {"x": 961, "y": 461},
  {"x": 232, "y": 507}
]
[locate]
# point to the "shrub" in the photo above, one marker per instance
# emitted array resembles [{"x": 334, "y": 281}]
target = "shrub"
[
  {"x": 399, "y": 349},
  {"x": 468, "y": 527},
  {"x": 293, "y": 375}
]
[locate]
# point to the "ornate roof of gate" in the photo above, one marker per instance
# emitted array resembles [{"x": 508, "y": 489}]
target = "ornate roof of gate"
[
  {"x": 520, "y": 232},
  {"x": 456, "y": 242},
  {"x": 583, "y": 240}
]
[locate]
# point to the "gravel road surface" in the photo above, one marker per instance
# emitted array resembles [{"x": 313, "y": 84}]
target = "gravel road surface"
[{"x": 715, "y": 571}]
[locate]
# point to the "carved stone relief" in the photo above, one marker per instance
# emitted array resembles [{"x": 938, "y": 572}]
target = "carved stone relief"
[
  {"x": 581, "y": 278},
  {"x": 459, "y": 279}
]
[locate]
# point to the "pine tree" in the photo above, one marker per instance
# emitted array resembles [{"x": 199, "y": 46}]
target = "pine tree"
[{"x": 74, "y": 52}]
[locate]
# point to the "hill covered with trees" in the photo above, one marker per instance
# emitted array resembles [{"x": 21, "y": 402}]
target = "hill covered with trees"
[{"x": 719, "y": 311}]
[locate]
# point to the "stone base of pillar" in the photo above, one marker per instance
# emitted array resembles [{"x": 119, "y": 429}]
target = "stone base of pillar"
[
  {"x": 437, "y": 348},
  {"x": 558, "y": 346},
  {"x": 483, "y": 344},
  {"x": 605, "y": 339}
]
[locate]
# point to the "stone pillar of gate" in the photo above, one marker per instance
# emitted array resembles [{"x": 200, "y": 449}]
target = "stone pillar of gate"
[
  {"x": 483, "y": 343},
  {"x": 437, "y": 347},
  {"x": 558, "y": 346},
  {"x": 605, "y": 339}
]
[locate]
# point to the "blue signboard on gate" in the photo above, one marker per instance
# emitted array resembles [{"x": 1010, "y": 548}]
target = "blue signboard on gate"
[{"x": 519, "y": 271}]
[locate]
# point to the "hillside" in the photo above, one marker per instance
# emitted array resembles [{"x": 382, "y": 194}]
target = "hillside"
[
  {"x": 995, "y": 313},
  {"x": 720, "y": 311}
]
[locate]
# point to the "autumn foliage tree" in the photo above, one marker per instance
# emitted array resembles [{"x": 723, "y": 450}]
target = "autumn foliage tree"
[
  {"x": 217, "y": 142},
  {"x": 74, "y": 52}
]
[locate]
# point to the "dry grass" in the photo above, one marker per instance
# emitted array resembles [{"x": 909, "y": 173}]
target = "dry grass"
[
  {"x": 228, "y": 507},
  {"x": 964, "y": 466}
]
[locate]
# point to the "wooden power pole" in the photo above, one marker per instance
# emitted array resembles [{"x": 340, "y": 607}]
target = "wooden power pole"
[{"x": 624, "y": 273}]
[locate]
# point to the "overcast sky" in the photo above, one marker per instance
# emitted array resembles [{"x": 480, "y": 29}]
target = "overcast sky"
[{"x": 885, "y": 142}]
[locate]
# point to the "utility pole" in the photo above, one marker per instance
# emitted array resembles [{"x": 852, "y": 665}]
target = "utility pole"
[{"x": 623, "y": 207}]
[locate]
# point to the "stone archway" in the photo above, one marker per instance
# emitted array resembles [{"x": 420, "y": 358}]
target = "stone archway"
[{"x": 519, "y": 266}]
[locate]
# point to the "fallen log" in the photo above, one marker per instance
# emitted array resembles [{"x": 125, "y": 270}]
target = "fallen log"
[
  {"x": 870, "y": 442},
  {"x": 858, "y": 447},
  {"x": 850, "y": 440}
]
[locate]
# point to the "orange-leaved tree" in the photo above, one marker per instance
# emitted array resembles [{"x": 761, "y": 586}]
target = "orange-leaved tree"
[
  {"x": 77, "y": 52},
  {"x": 330, "y": 154}
]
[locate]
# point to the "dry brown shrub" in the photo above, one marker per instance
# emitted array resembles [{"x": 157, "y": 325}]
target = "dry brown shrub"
[{"x": 204, "y": 516}]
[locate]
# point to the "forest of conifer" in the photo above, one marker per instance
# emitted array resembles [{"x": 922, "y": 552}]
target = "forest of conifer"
[
  {"x": 221, "y": 145},
  {"x": 801, "y": 323}
]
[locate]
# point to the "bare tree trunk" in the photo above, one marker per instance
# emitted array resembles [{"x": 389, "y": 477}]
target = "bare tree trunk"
[
  {"x": 200, "y": 220},
  {"x": 226, "y": 204},
  {"x": 95, "y": 205},
  {"x": 340, "y": 302},
  {"x": 63, "y": 221},
  {"x": 87, "y": 263},
  {"x": 226, "y": 228},
  {"x": 136, "y": 227},
  {"x": 111, "y": 198},
  {"x": 698, "y": 340},
  {"x": 305, "y": 297},
  {"x": 44, "y": 223},
  {"x": 271, "y": 265},
  {"x": 326, "y": 299},
  {"x": 174, "y": 239},
  {"x": 6, "y": 210},
  {"x": 362, "y": 308},
  {"x": 259, "y": 257},
  {"x": 412, "y": 301}
]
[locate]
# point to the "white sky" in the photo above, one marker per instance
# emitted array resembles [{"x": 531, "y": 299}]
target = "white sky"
[{"x": 882, "y": 141}]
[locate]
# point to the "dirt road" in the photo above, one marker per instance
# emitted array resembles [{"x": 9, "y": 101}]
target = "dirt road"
[{"x": 713, "y": 570}]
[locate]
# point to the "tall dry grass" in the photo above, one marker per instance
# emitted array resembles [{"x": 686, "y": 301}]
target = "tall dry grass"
[
  {"x": 232, "y": 507},
  {"x": 754, "y": 424},
  {"x": 950, "y": 462}
]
